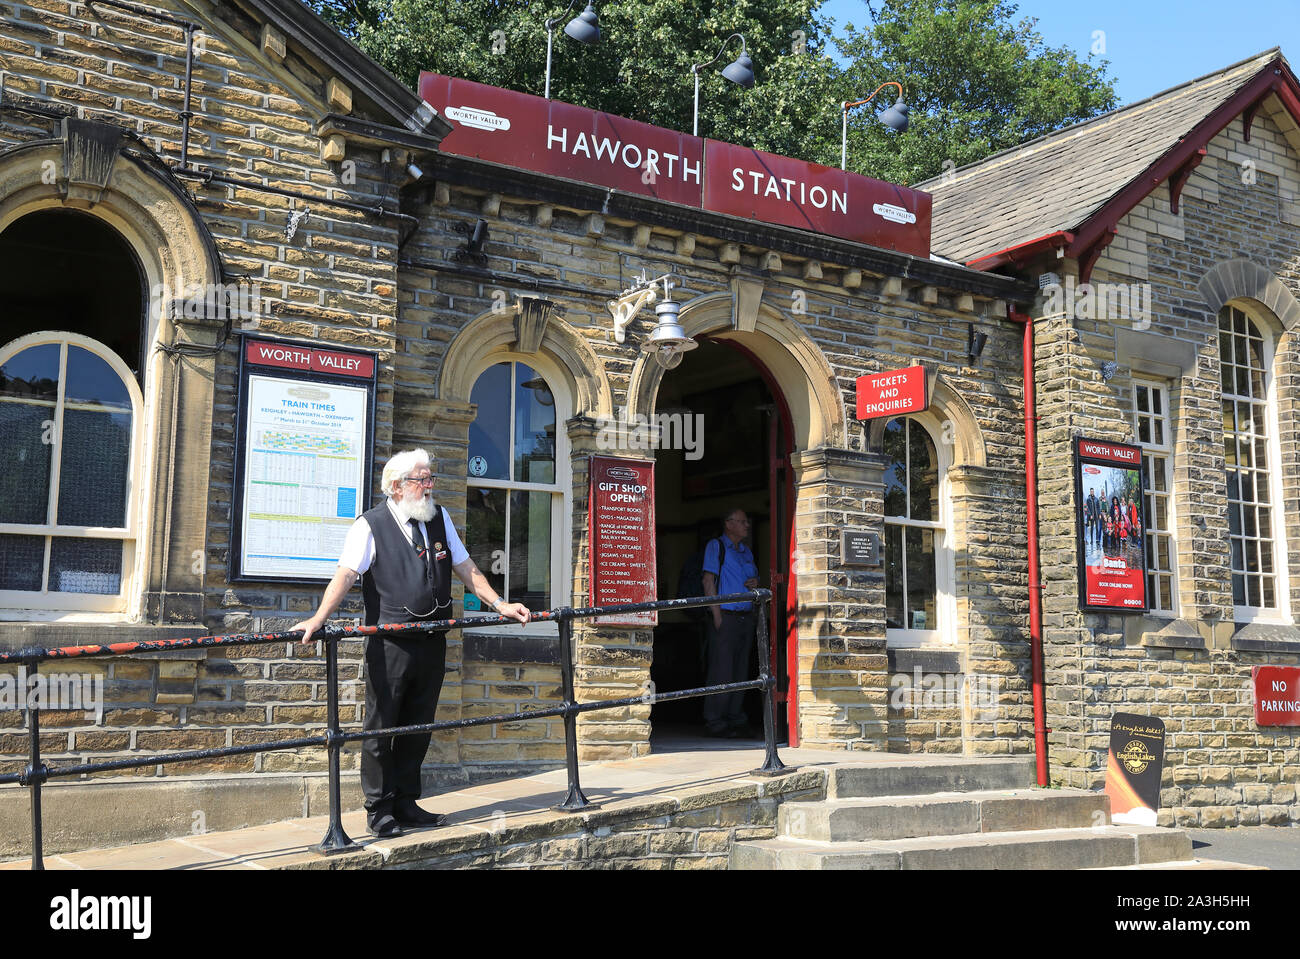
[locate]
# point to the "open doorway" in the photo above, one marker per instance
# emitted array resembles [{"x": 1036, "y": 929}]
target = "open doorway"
[{"x": 739, "y": 461}]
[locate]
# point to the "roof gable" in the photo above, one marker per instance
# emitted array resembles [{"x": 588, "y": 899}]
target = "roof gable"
[{"x": 1069, "y": 188}]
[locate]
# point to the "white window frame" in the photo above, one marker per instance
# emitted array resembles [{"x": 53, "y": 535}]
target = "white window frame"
[
  {"x": 944, "y": 632},
  {"x": 1281, "y": 614},
  {"x": 22, "y": 604},
  {"x": 561, "y": 490},
  {"x": 1164, "y": 450}
]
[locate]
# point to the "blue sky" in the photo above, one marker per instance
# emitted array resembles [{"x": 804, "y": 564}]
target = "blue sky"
[{"x": 1151, "y": 45}]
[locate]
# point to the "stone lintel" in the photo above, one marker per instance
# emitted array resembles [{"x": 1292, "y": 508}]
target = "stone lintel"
[{"x": 1145, "y": 352}]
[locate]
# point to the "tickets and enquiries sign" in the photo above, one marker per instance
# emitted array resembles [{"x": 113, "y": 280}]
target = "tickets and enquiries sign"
[
  {"x": 621, "y": 530},
  {"x": 304, "y": 437},
  {"x": 892, "y": 393}
]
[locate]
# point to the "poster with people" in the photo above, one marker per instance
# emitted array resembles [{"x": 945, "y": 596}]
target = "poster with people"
[{"x": 1112, "y": 526}]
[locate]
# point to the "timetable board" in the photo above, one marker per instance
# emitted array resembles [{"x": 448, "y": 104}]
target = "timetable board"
[{"x": 305, "y": 446}]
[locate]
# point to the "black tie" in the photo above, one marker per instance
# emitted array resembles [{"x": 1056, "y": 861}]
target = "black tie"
[{"x": 417, "y": 538}]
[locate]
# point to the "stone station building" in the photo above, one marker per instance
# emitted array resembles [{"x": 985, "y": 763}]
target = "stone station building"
[
  {"x": 1189, "y": 201},
  {"x": 310, "y": 176}
]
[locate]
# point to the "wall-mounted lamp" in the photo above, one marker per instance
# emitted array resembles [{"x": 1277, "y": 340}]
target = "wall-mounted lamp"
[
  {"x": 975, "y": 340},
  {"x": 668, "y": 340},
  {"x": 473, "y": 248},
  {"x": 896, "y": 117},
  {"x": 582, "y": 28},
  {"x": 739, "y": 70}
]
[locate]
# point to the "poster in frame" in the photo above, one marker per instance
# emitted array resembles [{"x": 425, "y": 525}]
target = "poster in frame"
[
  {"x": 304, "y": 432},
  {"x": 1111, "y": 526}
]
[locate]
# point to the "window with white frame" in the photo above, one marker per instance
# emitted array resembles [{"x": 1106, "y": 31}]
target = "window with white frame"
[
  {"x": 1152, "y": 429},
  {"x": 1257, "y": 578},
  {"x": 518, "y": 480},
  {"x": 69, "y": 429},
  {"x": 917, "y": 560}
]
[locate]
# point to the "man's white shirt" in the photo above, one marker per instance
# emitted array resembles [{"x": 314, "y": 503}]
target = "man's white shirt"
[{"x": 359, "y": 545}]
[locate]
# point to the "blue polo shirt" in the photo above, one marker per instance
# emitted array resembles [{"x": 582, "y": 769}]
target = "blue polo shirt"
[{"x": 738, "y": 565}]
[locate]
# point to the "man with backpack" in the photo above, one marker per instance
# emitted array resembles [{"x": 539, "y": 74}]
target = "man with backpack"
[{"x": 729, "y": 567}]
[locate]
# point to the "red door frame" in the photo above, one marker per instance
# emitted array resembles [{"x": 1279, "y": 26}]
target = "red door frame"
[{"x": 777, "y": 564}]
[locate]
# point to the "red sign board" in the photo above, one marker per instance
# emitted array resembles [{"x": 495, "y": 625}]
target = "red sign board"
[
  {"x": 1277, "y": 695},
  {"x": 893, "y": 393},
  {"x": 563, "y": 140},
  {"x": 533, "y": 133},
  {"x": 291, "y": 356},
  {"x": 776, "y": 189},
  {"x": 621, "y": 526},
  {"x": 1112, "y": 526}
]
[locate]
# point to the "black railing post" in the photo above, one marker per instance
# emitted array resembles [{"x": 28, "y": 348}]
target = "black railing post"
[
  {"x": 575, "y": 801},
  {"x": 336, "y": 839},
  {"x": 35, "y": 772},
  {"x": 772, "y": 764}
]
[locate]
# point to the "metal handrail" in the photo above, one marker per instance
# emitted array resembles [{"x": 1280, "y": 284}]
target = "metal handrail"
[{"x": 336, "y": 839}]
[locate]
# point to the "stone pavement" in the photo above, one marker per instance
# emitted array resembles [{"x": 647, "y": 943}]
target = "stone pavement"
[{"x": 484, "y": 807}]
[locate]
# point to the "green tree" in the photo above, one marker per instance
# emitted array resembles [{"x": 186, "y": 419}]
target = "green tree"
[
  {"x": 978, "y": 81},
  {"x": 640, "y": 69}
]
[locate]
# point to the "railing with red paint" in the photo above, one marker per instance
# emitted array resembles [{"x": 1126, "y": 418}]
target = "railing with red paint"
[{"x": 336, "y": 839}]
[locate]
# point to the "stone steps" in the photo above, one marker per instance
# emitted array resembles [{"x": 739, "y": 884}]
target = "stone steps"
[
  {"x": 1078, "y": 848},
  {"x": 956, "y": 813},
  {"x": 942, "y": 814}
]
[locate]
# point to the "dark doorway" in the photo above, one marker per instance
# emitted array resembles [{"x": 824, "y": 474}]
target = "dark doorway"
[
  {"x": 740, "y": 462},
  {"x": 70, "y": 271}
]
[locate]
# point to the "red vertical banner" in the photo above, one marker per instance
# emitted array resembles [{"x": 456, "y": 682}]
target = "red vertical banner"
[{"x": 621, "y": 531}]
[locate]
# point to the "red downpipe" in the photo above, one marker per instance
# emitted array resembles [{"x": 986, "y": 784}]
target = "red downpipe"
[{"x": 1035, "y": 584}]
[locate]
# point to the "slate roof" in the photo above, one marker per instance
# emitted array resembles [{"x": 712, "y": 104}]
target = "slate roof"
[{"x": 1058, "y": 181}]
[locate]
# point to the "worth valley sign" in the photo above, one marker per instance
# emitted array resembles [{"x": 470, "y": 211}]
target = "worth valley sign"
[{"x": 563, "y": 140}]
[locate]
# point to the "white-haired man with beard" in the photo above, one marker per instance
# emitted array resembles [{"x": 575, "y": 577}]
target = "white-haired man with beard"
[{"x": 404, "y": 550}]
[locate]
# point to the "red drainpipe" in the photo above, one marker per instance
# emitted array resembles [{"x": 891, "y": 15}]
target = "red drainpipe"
[{"x": 1035, "y": 584}]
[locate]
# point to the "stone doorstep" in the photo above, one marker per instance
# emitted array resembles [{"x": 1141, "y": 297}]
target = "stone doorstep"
[
  {"x": 957, "y": 774},
  {"x": 942, "y": 814},
  {"x": 1035, "y": 849}
]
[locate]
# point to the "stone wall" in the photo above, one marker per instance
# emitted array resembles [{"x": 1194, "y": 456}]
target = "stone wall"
[{"x": 1192, "y": 669}]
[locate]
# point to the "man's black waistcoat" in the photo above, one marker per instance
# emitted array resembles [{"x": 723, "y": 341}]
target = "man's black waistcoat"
[{"x": 398, "y": 588}]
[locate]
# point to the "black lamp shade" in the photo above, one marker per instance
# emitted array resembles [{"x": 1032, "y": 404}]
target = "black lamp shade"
[
  {"x": 896, "y": 116},
  {"x": 583, "y": 27},
  {"x": 741, "y": 71}
]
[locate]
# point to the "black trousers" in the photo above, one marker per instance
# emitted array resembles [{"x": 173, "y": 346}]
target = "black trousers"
[
  {"x": 403, "y": 680},
  {"x": 728, "y": 662}
]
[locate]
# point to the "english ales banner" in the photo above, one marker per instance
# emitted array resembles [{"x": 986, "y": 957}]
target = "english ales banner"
[
  {"x": 1133, "y": 767},
  {"x": 1112, "y": 526}
]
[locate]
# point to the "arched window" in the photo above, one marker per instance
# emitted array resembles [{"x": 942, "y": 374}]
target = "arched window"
[
  {"x": 518, "y": 477},
  {"x": 69, "y": 428},
  {"x": 917, "y": 560},
  {"x": 1258, "y": 570}
]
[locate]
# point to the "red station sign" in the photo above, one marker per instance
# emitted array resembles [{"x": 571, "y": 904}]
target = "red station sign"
[
  {"x": 291, "y": 356},
  {"x": 1277, "y": 695},
  {"x": 621, "y": 526},
  {"x": 563, "y": 140},
  {"x": 893, "y": 393}
]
